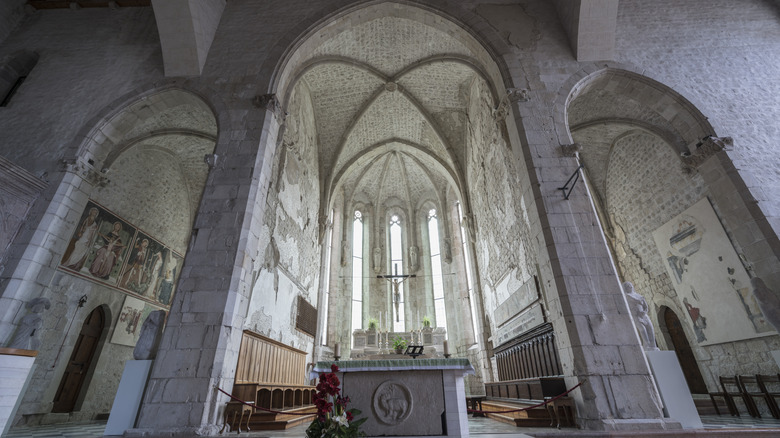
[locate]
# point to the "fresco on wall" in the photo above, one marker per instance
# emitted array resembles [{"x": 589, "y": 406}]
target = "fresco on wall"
[
  {"x": 109, "y": 250},
  {"x": 709, "y": 277},
  {"x": 131, "y": 318}
]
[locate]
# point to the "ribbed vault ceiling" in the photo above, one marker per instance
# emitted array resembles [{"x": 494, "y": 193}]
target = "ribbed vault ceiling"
[
  {"x": 390, "y": 112},
  {"x": 611, "y": 108}
]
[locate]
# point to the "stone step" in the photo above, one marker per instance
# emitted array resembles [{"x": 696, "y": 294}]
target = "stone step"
[
  {"x": 535, "y": 417},
  {"x": 284, "y": 420}
]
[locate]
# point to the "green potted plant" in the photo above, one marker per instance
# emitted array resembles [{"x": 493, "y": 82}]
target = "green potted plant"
[
  {"x": 426, "y": 321},
  {"x": 399, "y": 344},
  {"x": 373, "y": 323}
]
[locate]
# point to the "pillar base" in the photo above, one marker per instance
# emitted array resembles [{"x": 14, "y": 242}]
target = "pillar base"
[{"x": 641, "y": 424}]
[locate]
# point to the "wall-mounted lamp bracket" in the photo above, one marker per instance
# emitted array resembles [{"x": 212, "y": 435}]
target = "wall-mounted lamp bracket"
[{"x": 575, "y": 177}]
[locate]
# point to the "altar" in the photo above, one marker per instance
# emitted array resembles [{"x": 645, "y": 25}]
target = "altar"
[
  {"x": 367, "y": 344},
  {"x": 406, "y": 397}
]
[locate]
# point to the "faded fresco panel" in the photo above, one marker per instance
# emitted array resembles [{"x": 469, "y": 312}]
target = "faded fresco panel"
[
  {"x": 709, "y": 277},
  {"x": 108, "y": 250},
  {"x": 131, "y": 318},
  {"x": 99, "y": 245}
]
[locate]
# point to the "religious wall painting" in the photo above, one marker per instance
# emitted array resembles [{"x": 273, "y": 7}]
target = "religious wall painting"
[
  {"x": 131, "y": 318},
  {"x": 109, "y": 250},
  {"x": 144, "y": 262},
  {"x": 709, "y": 277},
  {"x": 98, "y": 245},
  {"x": 169, "y": 276}
]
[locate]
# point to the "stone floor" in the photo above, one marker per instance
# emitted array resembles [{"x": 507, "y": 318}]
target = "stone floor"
[{"x": 719, "y": 426}]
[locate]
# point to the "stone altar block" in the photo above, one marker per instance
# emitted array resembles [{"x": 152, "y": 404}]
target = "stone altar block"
[{"x": 406, "y": 397}]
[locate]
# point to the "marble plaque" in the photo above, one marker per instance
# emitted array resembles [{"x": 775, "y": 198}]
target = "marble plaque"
[{"x": 520, "y": 324}]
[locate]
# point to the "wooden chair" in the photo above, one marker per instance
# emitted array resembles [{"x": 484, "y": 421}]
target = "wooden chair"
[
  {"x": 770, "y": 385},
  {"x": 723, "y": 395},
  {"x": 238, "y": 411},
  {"x": 731, "y": 391},
  {"x": 749, "y": 387}
]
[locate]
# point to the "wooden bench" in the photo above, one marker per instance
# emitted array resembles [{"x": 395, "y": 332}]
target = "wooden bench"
[{"x": 275, "y": 396}]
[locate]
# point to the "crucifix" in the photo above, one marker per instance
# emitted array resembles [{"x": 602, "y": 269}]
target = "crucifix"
[{"x": 396, "y": 280}]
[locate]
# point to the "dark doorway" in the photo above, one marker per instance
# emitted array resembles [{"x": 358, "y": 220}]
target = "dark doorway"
[
  {"x": 684, "y": 353},
  {"x": 79, "y": 362}
]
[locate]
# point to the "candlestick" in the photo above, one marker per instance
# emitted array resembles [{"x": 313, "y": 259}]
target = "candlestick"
[
  {"x": 446, "y": 349},
  {"x": 337, "y": 351}
]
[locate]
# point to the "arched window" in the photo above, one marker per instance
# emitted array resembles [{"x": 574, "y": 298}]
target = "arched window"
[
  {"x": 467, "y": 263},
  {"x": 357, "y": 271},
  {"x": 436, "y": 274},
  {"x": 396, "y": 260},
  {"x": 326, "y": 282}
]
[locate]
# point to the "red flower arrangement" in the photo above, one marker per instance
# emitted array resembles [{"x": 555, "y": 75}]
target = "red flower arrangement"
[{"x": 333, "y": 420}]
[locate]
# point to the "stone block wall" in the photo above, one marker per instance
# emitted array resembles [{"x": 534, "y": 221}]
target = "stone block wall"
[
  {"x": 721, "y": 65},
  {"x": 90, "y": 58},
  {"x": 647, "y": 187},
  {"x": 289, "y": 258}
]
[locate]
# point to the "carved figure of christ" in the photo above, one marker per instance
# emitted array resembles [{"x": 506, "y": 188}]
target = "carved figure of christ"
[{"x": 396, "y": 280}]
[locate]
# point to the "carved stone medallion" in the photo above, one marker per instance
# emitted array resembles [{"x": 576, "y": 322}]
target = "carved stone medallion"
[{"x": 392, "y": 402}]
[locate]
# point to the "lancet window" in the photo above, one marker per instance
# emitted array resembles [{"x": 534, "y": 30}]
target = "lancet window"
[
  {"x": 467, "y": 264},
  {"x": 357, "y": 270},
  {"x": 326, "y": 282},
  {"x": 436, "y": 272},
  {"x": 397, "y": 263}
]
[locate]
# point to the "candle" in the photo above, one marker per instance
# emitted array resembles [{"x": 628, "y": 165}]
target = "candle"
[
  {"x": 446, "y": 348},
  {"x": 337, "y": 350}
]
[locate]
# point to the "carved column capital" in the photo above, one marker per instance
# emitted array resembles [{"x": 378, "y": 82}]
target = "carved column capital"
[
  {"x": 86, "y": 171},
  {"x": 571, "y": 150},
  {"x": 707, "y": 147},
  {"x": 512, "y": 95},
  {"x": 270, "y": 102},
  {"x": 518, "y": 94}
]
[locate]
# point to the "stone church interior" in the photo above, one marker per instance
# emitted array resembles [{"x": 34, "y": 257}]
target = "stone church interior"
[{"x": 229, "y": 194}]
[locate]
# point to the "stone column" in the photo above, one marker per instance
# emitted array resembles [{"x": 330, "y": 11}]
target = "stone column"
[
  {"x": 31, "y": 260},
  {"x": 596, "y": 340},
  {"x": 199, "y": 349}
]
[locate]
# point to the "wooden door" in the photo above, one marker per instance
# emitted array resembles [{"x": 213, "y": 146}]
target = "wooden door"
[
  {"x": 79, "y": 362},
  {"x": 684, "y": 353}
]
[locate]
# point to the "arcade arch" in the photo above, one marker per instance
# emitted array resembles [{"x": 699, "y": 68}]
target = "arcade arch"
[
  {"x": 384, "y": 126},
  {"x": 652, "y": 161}
]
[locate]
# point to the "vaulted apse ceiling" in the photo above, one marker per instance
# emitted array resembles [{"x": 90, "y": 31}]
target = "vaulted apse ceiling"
[{"x": 390, "y": 98}]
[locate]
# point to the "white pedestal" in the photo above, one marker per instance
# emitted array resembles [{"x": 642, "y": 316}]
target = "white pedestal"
[
  {"x": 678, "y": 403},
  {"x": 128, "y": 397},
  {"x": 15, "y": 370}
]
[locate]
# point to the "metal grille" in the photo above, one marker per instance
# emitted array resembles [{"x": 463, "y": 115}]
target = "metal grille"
[{"x": 306, "y": 319}]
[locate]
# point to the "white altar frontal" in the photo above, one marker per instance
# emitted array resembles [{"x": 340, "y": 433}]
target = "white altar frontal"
[{"x": 406, "y": 397}]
